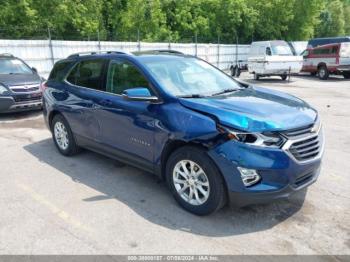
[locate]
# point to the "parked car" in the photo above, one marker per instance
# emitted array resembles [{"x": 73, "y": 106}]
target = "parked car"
[
  {"x": 211, "y": 138},
  {"x": 272, "y": 58},
  {"x": 19, "y": 85},
  {"x": 328, "y": 59},
  {"x": 315, "y": 42}
]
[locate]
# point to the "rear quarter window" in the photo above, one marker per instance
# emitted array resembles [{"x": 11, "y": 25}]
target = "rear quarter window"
[{"x": 59, "y": 71}]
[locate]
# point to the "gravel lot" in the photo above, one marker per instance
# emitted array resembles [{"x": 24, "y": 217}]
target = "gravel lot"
[{"x": 88, "y": 204}]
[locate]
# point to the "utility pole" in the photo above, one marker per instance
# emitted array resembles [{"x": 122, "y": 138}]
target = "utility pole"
[
  {"x": 196, "y": 44},
  {"x": 98, "y": 39},
  {"x": 50, "y": 47},
  {"x": 218, "y": 56},
  {"x": 236, "y": 48},
  {"x": 138, "y": 40}
]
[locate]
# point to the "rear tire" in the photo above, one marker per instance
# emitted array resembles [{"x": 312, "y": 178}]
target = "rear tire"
[
  {"x": 63, "y": 137},
  {"x": 238, "y": 71},
  {"x": 190, "y": 169},
  {"x": 284, "y": 77},
  {"x": 323, "y": 72},
  {"x": 235, "y": 71}
]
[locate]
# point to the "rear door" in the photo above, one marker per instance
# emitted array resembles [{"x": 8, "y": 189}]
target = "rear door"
[
  {"x": 326, "y": 55},
  {"x": 85, "y": 84}
]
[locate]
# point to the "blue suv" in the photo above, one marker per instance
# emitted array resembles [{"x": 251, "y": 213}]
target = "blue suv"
[{"x": 212, "y": 139}]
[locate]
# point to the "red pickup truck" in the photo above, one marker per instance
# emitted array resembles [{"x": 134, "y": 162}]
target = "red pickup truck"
[{"x": 327, "y": 59}]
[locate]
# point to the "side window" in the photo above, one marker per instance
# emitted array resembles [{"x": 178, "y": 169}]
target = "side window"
[
  {"x": 334, "y": 50},
  {"x": 123, "y": 75},
  {"x": 321, "y": 51},
  {"x": 88, "y": 74},
  {"x": 268, "y": 51}
]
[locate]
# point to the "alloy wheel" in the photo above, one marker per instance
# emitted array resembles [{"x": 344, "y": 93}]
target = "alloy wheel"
[
  {"x": 61, "y": 135},
  {"x": 191, "y": 182}
]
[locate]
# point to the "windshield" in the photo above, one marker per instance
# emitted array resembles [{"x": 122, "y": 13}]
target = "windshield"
[
  {"x": 13, "y": 66},
  {"x": 281, "y": 49},
  {"x": 190, "y": 76}
]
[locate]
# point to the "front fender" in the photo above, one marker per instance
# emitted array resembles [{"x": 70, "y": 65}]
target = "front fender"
[{"x": 178, "y": 123}]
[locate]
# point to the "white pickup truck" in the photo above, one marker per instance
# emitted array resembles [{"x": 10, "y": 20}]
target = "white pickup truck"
[{"x": 273, "y": 58}]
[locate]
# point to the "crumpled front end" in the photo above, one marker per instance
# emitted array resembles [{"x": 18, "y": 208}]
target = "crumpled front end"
[{"x": 279, "y": 172}]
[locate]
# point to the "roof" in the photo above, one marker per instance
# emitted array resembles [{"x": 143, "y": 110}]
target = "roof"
[
  {"x": 6, "y": 55},
  {"x": 326, "y": 45},
  {"x": 117, "y": 52}
]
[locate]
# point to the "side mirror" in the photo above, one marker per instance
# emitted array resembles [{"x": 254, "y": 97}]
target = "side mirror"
[
  {"x": 34, "y": 70},
  {"x": 139, "y": 94},
  {"x": 268, "y": 51}
]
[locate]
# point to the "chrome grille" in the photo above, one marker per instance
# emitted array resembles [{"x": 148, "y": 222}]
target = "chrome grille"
[
  {"x": 304, "y": 143},
  {"x": 24, "y": 88},
  {"x": 298, "y": 131},
  {"x": 27, "y": 98},
  {"x": 306, "y": 149}
]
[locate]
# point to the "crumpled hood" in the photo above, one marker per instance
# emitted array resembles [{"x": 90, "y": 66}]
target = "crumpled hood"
[
  {"x": 255, "y": 110},
  {"x": 25, "y": 79}
]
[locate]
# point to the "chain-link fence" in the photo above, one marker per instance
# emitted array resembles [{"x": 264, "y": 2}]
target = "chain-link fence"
[{"x": 42, "y": 54}]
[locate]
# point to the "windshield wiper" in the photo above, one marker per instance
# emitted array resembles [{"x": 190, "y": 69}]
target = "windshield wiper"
[
  {"x": 230, "y": 90},
  {"x": 192, "y": 96}
]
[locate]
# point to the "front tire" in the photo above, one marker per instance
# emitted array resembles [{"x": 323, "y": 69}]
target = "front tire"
[
  {"x": 63, "y": 136},
  {"x": 195, "y": 181}
]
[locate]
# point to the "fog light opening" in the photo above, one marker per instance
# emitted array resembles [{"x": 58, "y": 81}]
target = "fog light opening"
[{"x": 249, "y": 176}]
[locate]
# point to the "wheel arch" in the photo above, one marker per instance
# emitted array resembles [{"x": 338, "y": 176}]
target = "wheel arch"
[
  {"x": 52, "y": 114},
  {"x": 173, "y": 145},
  {"x": 321, "y": 64},
  {"x": 170, "y": 147}
]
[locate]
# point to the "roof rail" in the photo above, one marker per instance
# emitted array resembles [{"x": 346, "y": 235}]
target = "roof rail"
[
  {"x": 7, "y": 54},
  {"x": 97, "y": 52},
  {"x": 159, "y": 51}
]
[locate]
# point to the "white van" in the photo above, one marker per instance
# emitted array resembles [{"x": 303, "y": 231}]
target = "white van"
[{"x": 273, "y": 58}]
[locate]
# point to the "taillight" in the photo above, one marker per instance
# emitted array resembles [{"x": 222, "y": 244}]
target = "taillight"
[{"x": 43, "y": 86}]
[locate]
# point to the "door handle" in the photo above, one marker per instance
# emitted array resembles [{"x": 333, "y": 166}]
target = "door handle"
[{"x": 106, "y": 102}]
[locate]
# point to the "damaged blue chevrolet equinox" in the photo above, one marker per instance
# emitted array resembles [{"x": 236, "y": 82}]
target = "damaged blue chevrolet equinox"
[{"x": 214, "y": 140}]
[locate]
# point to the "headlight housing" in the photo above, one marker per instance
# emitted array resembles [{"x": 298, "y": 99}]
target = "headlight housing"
[
  {"x": 264, "y": 139},
  {"x": 3, "y": 90}
]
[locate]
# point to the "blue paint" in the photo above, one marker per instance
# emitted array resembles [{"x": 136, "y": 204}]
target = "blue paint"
[{"x": 143, "y": 129}]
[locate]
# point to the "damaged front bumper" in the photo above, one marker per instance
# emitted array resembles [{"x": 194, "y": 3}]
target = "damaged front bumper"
[{"x": 280, "y": 173}]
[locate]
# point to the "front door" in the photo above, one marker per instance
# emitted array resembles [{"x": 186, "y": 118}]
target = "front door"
[{"x": 127, "y": 126}]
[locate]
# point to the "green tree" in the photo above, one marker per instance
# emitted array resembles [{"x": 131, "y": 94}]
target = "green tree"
[
  {"x": 17, "y": 19},
  {"x": 274, "y": 18},
  {"x": 111, "y": 19},
  {"x": 306, "y": 15},
  {"x": 144, "y": 18},
  {"x": 332, "y": 21},
  {"x": 347, "y": 17}
]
